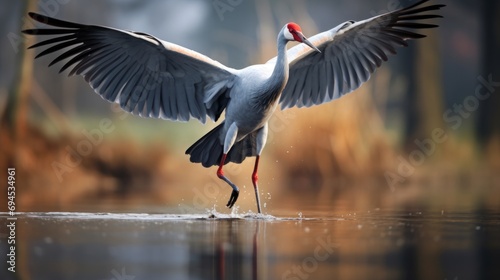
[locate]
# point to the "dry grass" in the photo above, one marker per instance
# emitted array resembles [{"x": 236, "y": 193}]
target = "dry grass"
[
  {"x": 344, "y": 139},
  {"x": 112, "y": 169}
]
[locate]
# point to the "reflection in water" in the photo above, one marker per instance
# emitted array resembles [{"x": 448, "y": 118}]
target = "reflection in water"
[
  {"x": 372, "y": 245},
  {"x": 224, "y": 253}
]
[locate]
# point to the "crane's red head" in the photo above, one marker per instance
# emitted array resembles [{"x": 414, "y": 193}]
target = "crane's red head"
[{"x": 293, "y": 32}]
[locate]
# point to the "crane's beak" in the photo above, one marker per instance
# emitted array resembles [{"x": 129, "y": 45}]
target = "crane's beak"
[{"x": 307, "y": 42}]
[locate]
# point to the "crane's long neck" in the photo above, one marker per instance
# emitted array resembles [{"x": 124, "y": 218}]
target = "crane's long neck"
[
  {"x": 275, "y": 84},
  {"x": 280, "y": 72}
]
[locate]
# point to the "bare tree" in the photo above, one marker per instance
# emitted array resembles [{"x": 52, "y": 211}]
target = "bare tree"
[
  {"x": 488, "y": 121},
  {"x": 15, "y": 114},
  {"x": 424, "y": 102}
]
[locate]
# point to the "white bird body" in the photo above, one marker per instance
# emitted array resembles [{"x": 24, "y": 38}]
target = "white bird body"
[
  {"x": 159, "y": 79},
  {"x": 244, "y": 110}
]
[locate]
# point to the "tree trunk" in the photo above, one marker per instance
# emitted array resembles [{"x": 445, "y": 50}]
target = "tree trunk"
[
  {"x": 425, "y": 108},
  {"x": 15, "y": 115},
  {"x": 488, "y": 120}
]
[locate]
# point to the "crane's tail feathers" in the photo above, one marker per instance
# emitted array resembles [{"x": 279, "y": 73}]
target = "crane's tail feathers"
[
  {"x": 247, "y": 147},
  {"x": 209, "y": 148}
]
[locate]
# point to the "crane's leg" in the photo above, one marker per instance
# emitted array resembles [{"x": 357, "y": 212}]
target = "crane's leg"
[
  {"x": 255, "y": 178},
  {"x": 261, "y": 142},
  {"x": 228, "y": 143},
  {"x": 220, "y": 174}
]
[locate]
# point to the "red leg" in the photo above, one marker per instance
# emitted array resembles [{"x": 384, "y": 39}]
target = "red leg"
[
  {"x": 220, "y": 173},
  {"x": 255, "y": 178}
]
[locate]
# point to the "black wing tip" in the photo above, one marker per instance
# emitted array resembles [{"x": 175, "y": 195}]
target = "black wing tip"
[
  {"x": 29, "y": 31},
  {"x": 38, "y": 55},
  {"x": 425, "y": 1},
  {"x": 418, "y": 8},
  {"x": 38, "y": 17},
  {"x": 408, "y": 16},
  {"x": 53, "y": 21}
]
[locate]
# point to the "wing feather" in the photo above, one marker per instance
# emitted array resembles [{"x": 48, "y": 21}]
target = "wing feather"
[
  {"x": 350, "y": 53},
  {"x": 115, "y": 81},
  {"x": 145, "y": 75},
  {"x": 108, "y": 71},
  {"x": 129, "y": 87},
  {"x": 338, "y": 77},
  {"x": 322, "y": 81},
  {"x": 91, "y": 61},
  {"x": 172, "y": 99},
  {"x": 330, "y": 90}
]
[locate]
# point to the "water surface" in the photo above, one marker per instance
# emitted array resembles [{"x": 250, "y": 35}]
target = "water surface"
[{"x": 373, "y": 244}]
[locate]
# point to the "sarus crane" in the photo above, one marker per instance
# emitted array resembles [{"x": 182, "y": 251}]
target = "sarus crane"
[{"x": 159, "y": 79}]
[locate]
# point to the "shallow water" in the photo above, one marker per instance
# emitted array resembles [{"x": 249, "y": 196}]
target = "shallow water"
[{"x": 374, "y": 244}]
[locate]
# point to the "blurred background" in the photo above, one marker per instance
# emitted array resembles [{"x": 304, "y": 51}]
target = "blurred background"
[{"x": 424, "y": 131}]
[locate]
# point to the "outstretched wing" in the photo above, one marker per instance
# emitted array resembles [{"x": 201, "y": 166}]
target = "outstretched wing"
[
  {"x": 350, "y": 53},
  {"x": 145, "y": 75}
]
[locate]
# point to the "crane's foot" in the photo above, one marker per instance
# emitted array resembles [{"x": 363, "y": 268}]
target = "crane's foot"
[
  {"x": 233, "y": 198},
  {"x": 236, "y": 191}
]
